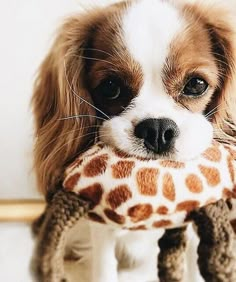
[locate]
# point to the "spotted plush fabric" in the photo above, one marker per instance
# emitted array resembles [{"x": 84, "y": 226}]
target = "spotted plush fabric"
[{"x": 136, "y": 194}]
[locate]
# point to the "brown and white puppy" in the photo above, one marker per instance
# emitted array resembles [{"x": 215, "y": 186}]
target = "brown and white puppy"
[{"x": 154, "y": 78}]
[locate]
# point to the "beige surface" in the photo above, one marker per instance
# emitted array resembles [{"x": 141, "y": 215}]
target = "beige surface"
[{"x": 20, "y": 210}]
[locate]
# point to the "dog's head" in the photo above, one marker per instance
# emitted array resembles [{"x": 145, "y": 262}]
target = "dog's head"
[{"x": 153, "y": 78}]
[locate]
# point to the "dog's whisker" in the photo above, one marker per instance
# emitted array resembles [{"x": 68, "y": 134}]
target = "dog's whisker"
[
  {"x": 72, "y": 140},
  {"x": 82, "y": 99},
  {"x": 97, "y": 50},
  {"x": 47, "y": 160},
  {"x": 95, "y": 59},
  {"x": 81, "y": 116},
  {"x": 211, "y": 114},
  {"x": 212, "y": 111},
  {"x": 68, "y": 132}
]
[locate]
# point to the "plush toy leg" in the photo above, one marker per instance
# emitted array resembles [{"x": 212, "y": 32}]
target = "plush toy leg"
[
  {"x": 62, "y": 213},
  {"x": 216, "y": 254},
  {"x": 171, "y": 257}
]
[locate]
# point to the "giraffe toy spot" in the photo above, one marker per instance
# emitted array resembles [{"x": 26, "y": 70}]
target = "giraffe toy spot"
[
  {"x": 115, "y": 217},
  {"x": 212, "y": 175},
  {"x": 72, "y": 181},
  {"x": 92, "y": 193},
  {"x": 194, "y": 183},
  {"x": 147, "y": 181},
  {"x": 96, "y": 166},
  {"x": 162, "y": 210},
  {"x": 161, "y": 223},
  {"x": 118, "y": 196},
  {"x": 213, "y": 154},
  {"x": 172, "y": 164},
  {"x": 168, "y": 188},
  {"x": 139, "y": 227},
  {"x": 231, "y": 168},
  {"x": 187, "y": 205},
  {"x": 140, "y": 212},
  {"x": 122, "y": 169},
  {"x": 227, "y": 193},
  {"x": 95, "y": 217}
]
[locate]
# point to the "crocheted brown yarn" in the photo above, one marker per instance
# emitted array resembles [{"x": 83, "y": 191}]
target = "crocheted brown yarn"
[
  {"x": 171, "y": 257},
  {"x": 217, "y": 260},
  {"x": 63, "y": 212}
]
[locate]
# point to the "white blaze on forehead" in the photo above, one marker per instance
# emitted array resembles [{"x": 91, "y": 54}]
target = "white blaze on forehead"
[{"x": 149, "y": 27}]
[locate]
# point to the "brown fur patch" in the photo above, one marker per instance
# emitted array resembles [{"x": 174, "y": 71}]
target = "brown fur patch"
[
  {"x": 140, "y": 212},
  {"x": 168, "y": 187},
  {"x": 147, "y": 181},
  {"x": 211, "y": 174},
  {"x": 180, "y": 64},
  {"x": 122, "y": 169},
  {"x": 194, "y": 183},
  {"x": 187, "y": 205},
  {"x": 162, "y": 210},
  {"x": 139, "y": 227},
  {"x": 213, "y": 154},
  {"x": 231, "y": 168},
  {"x": 112, "y": 60},
  {"x": 72, "y": 181},
  {"x": 95, "y": 217},
  {"x": 161, "y": 223},
  {"x": 172, "y": 164},
  {"x": 96, "y": 166},
  {"x": 92, "y": 194},
  {"x": 118, "y": 196},
  {"x": 113, "y": 216}
]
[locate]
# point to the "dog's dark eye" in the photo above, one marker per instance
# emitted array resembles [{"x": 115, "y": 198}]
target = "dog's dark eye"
[
  {"x": 195, "y": 87},
  {"x": 110, "y": 89}
]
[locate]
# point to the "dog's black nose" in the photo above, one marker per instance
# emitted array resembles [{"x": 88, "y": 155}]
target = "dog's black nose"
[{"x": 158, "y": 134}]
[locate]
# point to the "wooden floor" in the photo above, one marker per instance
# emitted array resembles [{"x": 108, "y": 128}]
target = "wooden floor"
[{"x": 20, "y": 210}]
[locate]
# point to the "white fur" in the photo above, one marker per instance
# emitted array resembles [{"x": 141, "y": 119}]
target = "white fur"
[{"x": 149, "y": 27}]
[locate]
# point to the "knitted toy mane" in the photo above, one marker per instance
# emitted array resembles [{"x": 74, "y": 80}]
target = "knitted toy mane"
[{"x": 110, "y": 187}]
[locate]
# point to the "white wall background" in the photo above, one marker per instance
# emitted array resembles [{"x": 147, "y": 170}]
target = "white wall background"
[{"x": 26, "y": 30}]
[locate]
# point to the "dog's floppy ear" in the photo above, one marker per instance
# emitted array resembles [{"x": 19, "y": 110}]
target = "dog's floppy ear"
[
  {"x": 58, "y": 86},
  {"x": 219, "y": 19}
]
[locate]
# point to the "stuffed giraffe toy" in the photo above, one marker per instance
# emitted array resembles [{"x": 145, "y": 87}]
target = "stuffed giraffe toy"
[{"x": 113, "y": 188}]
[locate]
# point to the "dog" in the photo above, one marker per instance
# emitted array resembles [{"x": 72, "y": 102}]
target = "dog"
[{"x": 153, "y": 78}]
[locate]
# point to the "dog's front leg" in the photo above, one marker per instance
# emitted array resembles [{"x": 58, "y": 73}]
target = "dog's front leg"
[{"x": 104, "y": 263}]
